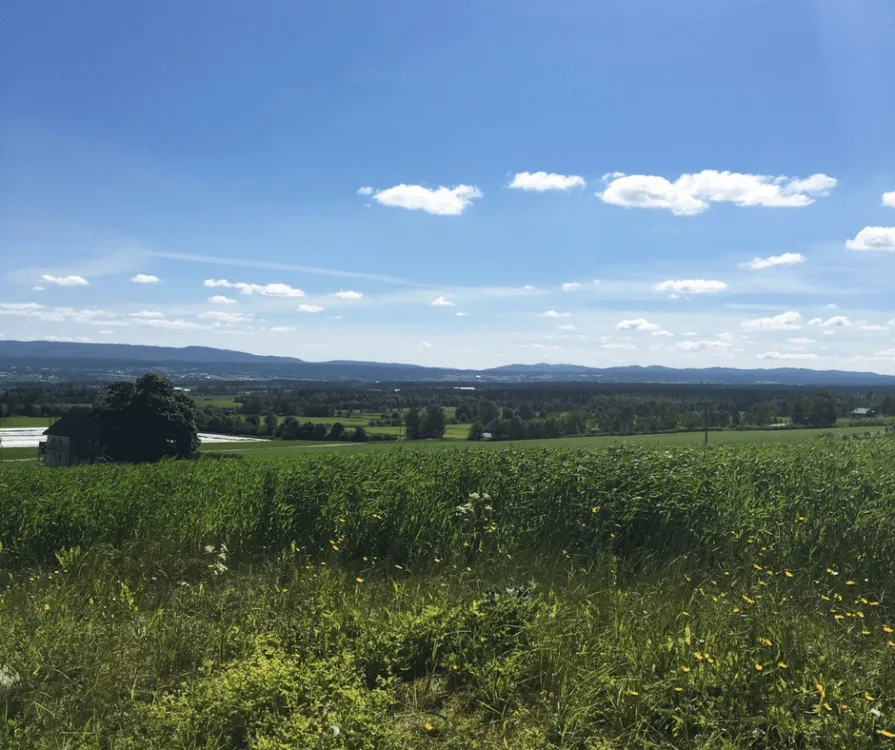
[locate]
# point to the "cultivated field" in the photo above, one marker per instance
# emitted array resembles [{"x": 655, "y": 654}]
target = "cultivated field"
[{"x": 505, "y": 598}]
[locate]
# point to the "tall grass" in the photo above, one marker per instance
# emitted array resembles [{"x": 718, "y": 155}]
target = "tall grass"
[{"x": 471, "y": 599}]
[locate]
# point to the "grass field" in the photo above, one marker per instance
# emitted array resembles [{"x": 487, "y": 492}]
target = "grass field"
[
  {"x": 26, "y": 422},
  {"x": 626, "y": 597}
]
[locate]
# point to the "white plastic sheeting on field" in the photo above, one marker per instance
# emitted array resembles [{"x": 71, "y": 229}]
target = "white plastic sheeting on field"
[{"x": 30, "y": 437}]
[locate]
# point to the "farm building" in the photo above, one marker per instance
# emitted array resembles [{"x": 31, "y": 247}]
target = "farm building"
[
  {"x": 73, "y": 439},
  {"x": 862, "y": 411}
]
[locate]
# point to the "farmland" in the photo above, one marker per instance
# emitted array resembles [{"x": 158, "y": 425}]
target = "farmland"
[{"x": 735, "y": 596}]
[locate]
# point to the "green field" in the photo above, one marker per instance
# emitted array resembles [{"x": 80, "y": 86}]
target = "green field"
[
  {"x": 26, "y": 422},
  {"x": 513, "y": 597}
]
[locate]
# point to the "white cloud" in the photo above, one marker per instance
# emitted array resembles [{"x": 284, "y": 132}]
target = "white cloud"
[
  {"x": 441, "y": 201},
  {"x": 310, "y": 308},
  {"x": 366, "y": 190},
  {"x": 173, "y": 325},
  {"x": 693, "y": 193},
  {"x": 542, "y": 181},
  {"x": 872, "y": 327},
  {"x": 528, "y": 288},
  {"x": 691, "y": 286},
  {"x": 220, "y": 299},
  {"x": 65, "y": 280},
  {"x": 281, "y": 329},
  {"x": 38, "y": 288},
  {"x": 838, "y": 321},
  {"x": 661, "y": 333},
  {"x": 442, "y": 302},
  {"x": 786, "y": 355},
  {"x": 832, "y": 306},
  {"x": 788, "y": 321},
  {"x": 566, "y": 327},
  {"x": 425, "y": 345},
  {"x": 267, "y": 290},
  {"x": 886, "y": 353},
  {"x": 145, "y": 278},
  {"x": 786, "y": 259},
  {"x": 689, "y": 333},
  {"x": 147, "y": 314},
  {"x": 873, "y": 238},
  {"x": 224, "y": 317},
  {"x": 801, "y": 340},
  {"x": 621, "y": 347},
  {"x": 571, "y": 286},
  {"x": 889, "y": 199},
  {"x": 555, "y": 314},
  {"x": 348, "y": 294},
  {"x": 637, "y": 324},
  {"x": 461, "y": 314},
  {"x": 701, "y": 346},
  {"x": 14, "y": 308}
]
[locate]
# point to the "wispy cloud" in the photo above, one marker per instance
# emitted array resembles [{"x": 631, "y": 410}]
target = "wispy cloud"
[
  {"x": 366, "y": 190},
  {"x": 701, "y": 346},
  {"x": 147, "y": 314},
  {"x": 543, "y": 181},
  {"x": 268, "y": 290},
  {"x": 786, "y": 355},
  {"x": 571, "y": 286},
  {"x": 64, "y": 280},
  {"x": 441, "y": 201},
  {"x": 786, "y": 259},
  {"x": 555, "y": 314},
  {"x": 691, "y": 286},
  {"x": 837, "y": 321},
  {"x": 145, "y": 278},
  {"x": 425, "y": 345},
  {"x": 225, "y": 317},
  {"x": 693, "y": 193},
  {"x": 637, "y": 324},
  {"x": 788, "y": 321},
  {"x": 311, "y": 308},
  {"x": 220, "y": 299},
  {"x": 274, "y": 266},
  {"x": 348, "y": 294}
]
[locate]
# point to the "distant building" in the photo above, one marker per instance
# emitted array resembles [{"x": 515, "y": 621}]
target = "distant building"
[
  {"x": 73, "y": 439},
  {"x": 862, "y": 411}
]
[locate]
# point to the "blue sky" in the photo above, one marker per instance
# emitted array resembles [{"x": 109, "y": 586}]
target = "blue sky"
[{"x": 467, "y": 184}]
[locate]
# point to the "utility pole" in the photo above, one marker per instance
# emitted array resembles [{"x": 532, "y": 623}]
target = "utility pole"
[{"x": 705, "y": 420}]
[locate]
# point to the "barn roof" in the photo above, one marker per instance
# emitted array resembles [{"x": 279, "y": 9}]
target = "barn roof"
[{"x": 78, "y": 423}]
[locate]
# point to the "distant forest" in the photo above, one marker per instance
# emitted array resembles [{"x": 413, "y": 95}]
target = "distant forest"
[{"x": 289, "y": 411}]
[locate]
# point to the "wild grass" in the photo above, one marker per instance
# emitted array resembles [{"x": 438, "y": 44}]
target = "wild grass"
[{"x": 624, "y": 598}]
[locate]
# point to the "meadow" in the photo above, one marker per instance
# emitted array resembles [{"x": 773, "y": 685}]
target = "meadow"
[{"x": 515, "y": 597}]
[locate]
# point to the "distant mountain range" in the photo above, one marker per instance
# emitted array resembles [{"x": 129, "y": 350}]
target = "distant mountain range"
[{"x": 20, "y": 360}]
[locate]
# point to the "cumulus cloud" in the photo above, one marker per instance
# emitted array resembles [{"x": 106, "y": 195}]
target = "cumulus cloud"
[
  {"x": 220, "y": 299},
  {"x": 310, "y": 308},
  {"x": 173, "y": 325},
  {"x": 147, "y": 314},
  {"x": 145, "y": 278},
  {"x": 442, "y": 301},
  {"x": 267, "y": 290},
  {"x": 566, "y": 327},
  {"x": 347, "y": 294},
  {"x": 425, "y": 345},
  {"x": 542, "y": 181},
  {"x": 13, "y": 308},
  {"x": 281, "y": 329},
  {"x": 224, "y": 317},
  {"x": 800, "y": 341},
  {"x": 661, "y": 333},
  {"x": 693, "y": 193},
  {"x": 620, "y": 347},
  {"x": 366, "y": 190},
  {"x": 441, "y": 201},
  {"x": 701, "y": 346},
  {"x": 889, "y": 199},
  {"x": 65, "y": 280},
  {"x": 691, "y": 286},
  {"x": 786, "y": 355},
  {"x": 555, "y": 314},
  {"x": 873, "y": 238},
  {"x": 637, "y": 324},
  {"x": 788, "y": 321},
  {"x": 571, "y": 286},
  {"x": 838, "y": 321},
  {"x": 786, "y": 259}
]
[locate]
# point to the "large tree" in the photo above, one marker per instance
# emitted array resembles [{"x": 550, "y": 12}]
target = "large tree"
[{"x": 148, "y": 420}]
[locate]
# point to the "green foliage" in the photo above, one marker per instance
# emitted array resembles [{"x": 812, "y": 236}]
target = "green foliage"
[
  {"x": 147, "y": 421},
  {"x": 473, "y": 599}
]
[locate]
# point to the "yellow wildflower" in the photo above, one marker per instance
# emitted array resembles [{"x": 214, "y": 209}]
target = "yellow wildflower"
[
  {"x": 359, "y": 579},
  {"x": 782, "y": 664},
  {"x": 758, "y": 667},
  {"x": 765, "y": 642},
  {"x": 787, "y": 574}
]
